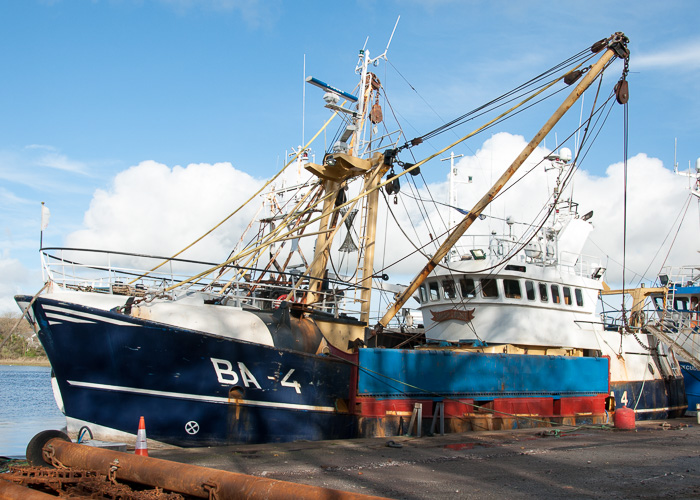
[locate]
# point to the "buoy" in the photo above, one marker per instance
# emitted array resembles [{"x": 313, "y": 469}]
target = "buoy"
[
  {"x": 141, "y": 445},
  {"x": 624, "y": 418}
]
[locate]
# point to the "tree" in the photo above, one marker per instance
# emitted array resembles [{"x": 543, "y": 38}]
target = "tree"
[{"x": 22, "y": 342}]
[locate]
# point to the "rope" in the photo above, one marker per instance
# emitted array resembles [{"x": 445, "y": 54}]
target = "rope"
[
  {"x": 624, "y": 213},
  {"x": 24, "y": 312}
]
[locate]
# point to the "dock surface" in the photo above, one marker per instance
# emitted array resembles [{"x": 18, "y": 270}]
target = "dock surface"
[{"x": 660, "y": 459}]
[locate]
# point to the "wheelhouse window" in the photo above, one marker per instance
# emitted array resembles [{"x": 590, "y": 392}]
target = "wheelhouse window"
[
  {"x": 434, "y": 290},
  {"x": 530, "y": 290},
  {"x": 489, "y": 289},
  {"x": 467, "y": 288},
  {"x": 567, "y": 295},
  {"x": 423, "y": 294},
  {"x": 579, "y": 297},
  {"x": 543, "y": 292},
  {"x": 512, "y": 289},
  {"x": 449, "y": 290},
  {"x": 555, "y": 294},
  {"x": 659, "y": 302}
]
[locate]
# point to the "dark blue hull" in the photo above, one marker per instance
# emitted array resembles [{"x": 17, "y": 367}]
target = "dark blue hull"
[
  {"x": 691, "y": 377},
  {"x": 652, "y": 399},
  {"x": 194, "y": 389},
  {"x": 200, "y": 389}
]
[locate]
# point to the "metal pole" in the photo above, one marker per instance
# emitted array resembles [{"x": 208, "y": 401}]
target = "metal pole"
[
  {"x": 451, "y": 194},
  {"x": 491, "y": 194}
]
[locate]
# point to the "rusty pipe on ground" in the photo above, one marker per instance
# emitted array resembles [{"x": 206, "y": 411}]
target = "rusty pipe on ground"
[
  {"x": 13, "y": 491},
  {"x": 183, "y": 478}
]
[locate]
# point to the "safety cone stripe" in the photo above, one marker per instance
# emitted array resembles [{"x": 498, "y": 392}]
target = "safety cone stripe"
[{"x": 141, "y": 444}]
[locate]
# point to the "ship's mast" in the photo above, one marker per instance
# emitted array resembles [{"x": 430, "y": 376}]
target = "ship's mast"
[{"x": 349, "y": 161}]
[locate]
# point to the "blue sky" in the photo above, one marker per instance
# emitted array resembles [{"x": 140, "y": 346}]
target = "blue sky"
[{"x": 90, "y": 89}]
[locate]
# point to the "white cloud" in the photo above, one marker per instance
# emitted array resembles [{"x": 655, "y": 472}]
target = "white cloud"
[
  {"x": 61, "y": 162},
  {"x": 655, "y": 197},
  {"x": 154, "y": 209},
  {"x": 8, "y": 198},
  {"x": 683, "y": 56},
  {"x": 254, "y": 12},
  {"x": 157, "y": 210},
  {"x": 42, "y": 167},
  {"x": 15, "y": 279}
]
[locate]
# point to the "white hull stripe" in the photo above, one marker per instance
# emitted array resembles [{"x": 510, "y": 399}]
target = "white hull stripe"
[
  {"x": 66, "y": 318},
  {"x": 195, "y": 397},
  {"x": 665, "y": 408},
  {"x": 89, "y": 316}
]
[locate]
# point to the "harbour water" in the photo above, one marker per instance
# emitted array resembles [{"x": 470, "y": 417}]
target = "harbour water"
[{"x": 27, "y": 407}]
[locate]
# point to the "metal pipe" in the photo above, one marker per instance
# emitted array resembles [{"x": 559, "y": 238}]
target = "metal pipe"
[
  {"x": 184, "y": 478},
  {"x": 12, "y": 491}
]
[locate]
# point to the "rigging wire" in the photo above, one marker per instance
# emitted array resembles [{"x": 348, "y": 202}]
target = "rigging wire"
[
  {"x": 687, "y": 206},
  {"x": 581, "y": 154},
  {"x": 508, "y": 96},
  {"x": 681, "y": 215}
]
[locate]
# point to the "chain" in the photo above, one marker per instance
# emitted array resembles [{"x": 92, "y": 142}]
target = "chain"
[
  {"x": 50, "y": 456},
  {"x": 112, "y": 473},
  {"x": 213, "y": 489},
  {"x": 645, "y": 347},
  {"x": 626, "y": 68}
]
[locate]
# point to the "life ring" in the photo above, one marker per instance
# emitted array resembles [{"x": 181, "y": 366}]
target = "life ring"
[{"x": 276, "y": 303}]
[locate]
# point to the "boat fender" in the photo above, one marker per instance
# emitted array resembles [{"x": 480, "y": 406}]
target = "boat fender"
[{"x": 624, "y": 418}]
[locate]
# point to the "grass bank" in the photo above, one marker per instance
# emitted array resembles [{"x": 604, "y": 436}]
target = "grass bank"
[{"x": 35, "y": 361}]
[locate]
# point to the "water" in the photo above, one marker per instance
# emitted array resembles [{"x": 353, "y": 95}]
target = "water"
[{"x": 27, "y": 407}]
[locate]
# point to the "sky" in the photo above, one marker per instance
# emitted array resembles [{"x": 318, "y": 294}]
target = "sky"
[{"x": 140, "y": 123}]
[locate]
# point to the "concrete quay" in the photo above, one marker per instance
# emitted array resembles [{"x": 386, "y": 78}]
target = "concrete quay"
[{"x": 660, "y": 459}]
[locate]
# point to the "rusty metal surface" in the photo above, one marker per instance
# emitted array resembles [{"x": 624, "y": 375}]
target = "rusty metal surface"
[
  {"x": 191, "y": 480},
  {"x": 12, "y": 491},
  {"x": 38, "y": 482}
]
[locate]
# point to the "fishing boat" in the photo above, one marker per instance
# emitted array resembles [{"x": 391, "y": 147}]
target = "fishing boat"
[
  {"x": 669, "y": 310},
  {"x": 674, "y": 317},
  {"x": 538, "y": 294},
  {"x": 277, "y": 342}
]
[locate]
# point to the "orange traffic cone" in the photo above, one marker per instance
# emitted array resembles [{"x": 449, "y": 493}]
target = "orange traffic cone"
[{"x": 141, "y": 445}]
